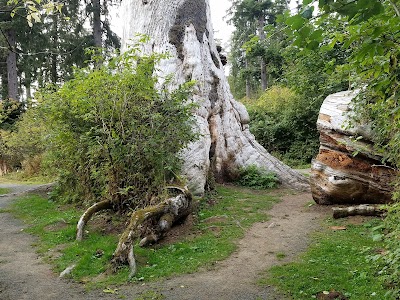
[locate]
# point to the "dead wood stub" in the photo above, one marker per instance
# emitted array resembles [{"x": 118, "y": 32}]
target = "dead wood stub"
[
  {"x": 88, "y": 214},
  {"x": 163, "y": 215}
]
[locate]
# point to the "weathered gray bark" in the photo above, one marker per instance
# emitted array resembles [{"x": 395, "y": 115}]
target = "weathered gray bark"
[
  {"x": 347, "y": 169},
  {"x": 183, "y": 29},
  {"x": 12, "y": 66}
]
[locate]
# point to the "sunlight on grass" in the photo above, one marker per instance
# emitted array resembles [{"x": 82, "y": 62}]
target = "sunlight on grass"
[{"x": 22, "y": 178}]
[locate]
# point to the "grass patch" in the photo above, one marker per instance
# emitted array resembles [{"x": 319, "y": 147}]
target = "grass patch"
[
  {"x": 337, "y": 260},
  {"x": 222, "y": 220},
  {"x": 4, "y": 191},
  {"x": 280, "y": 256},
  {"x": 22, "y": 178}
]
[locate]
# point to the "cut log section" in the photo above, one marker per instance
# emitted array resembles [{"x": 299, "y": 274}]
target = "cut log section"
[{"x": 347, "y": 169}]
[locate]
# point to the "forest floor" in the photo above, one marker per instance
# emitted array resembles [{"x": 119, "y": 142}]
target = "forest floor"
[{"x": 23, "y": 275}]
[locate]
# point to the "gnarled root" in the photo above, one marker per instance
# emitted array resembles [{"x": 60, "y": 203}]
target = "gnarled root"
[
  {"x": 163, "y": 215},
  {"x": 87, "y": 215},
  {"x": 359, "y": 210}
]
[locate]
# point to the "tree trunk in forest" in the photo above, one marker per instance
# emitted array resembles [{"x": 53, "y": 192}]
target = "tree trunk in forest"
[
  {"x": 183, "y": 29},
  {"x": 12, "y": 66},
  {"x": 97, "y": 31},
  {"x": 248, "y": 87},
  {"x": 54, "y": 56},
  {"x": 263, "y": 65}
]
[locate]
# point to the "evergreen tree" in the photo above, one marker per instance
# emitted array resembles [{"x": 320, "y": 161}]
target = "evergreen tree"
[{"x": 250, "y": 44}]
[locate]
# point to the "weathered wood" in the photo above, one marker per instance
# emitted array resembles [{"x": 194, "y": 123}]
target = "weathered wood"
[
  {"x": 87, "y": 215},
  {"x": 183, "y": 29},
  {"x": 359, "y": 210},
  {"x": 347, "y": 169},
  {"x": 165, "y": 214}
]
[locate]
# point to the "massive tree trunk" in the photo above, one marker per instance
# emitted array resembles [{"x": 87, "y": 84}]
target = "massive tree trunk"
[
  {"x": 183, "y": 29},
  {"x": 12, "y": 66}
]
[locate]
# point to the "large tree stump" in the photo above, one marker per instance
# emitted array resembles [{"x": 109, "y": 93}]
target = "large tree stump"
[
  {"x": 347, "y": 169},
  {"x": 183, "y": 29}
]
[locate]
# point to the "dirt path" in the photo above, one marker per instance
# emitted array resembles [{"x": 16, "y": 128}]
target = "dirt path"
[{"x": 24, "y": 276}]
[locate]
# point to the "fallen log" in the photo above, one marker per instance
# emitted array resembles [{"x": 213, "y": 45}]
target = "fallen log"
[
  {"x": 157, "y": 220},
  {"x": 359, "y": 210}
]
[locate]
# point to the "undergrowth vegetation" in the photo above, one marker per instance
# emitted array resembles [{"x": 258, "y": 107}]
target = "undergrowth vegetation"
[
  {"x": 222, "y": 219},
  {"x": 284, "y": 123},
  {"x": 337, "y": 261},
  {"x": 256, "y": 178}
]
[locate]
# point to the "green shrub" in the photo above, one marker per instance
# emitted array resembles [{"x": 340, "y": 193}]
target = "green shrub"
[
  {"x": 113, "y": 134},
  {"x": 284, "y": 123},
  {"x": 389, "y": 260},
  {"x": 257, "y": 178},
  {"x": 26, "y": 143}
]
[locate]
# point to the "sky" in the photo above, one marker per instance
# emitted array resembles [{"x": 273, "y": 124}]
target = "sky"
[
  {"x": 222, "y": 31},
  {"x": 218, "y": 10}
]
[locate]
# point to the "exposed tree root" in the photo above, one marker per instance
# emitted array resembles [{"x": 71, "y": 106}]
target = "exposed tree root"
[
  {"x": 162, "y": 216},
  {"x": 359, "y": 210},
  {"x": 87, "y": 215}
]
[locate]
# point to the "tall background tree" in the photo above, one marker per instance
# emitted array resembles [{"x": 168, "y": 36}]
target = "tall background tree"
[{"x": 250, "y": 58}]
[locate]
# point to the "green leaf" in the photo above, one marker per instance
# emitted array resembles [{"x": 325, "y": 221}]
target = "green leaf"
[
  {"x": 306, "y": 2},
  {"x": 296, "y": 22}
]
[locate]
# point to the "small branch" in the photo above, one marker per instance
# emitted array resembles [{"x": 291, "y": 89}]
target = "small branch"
[
  {"x": 87, "y": 215},
  {"x": 359, "y": 210},
  {"x": 396, "y": 9},
  {"x": 384, "y": 166}
]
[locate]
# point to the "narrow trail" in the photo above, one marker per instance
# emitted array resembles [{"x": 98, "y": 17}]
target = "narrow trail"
[
  {"x": 287, "y": 232},
  {"x": 24, "y": 276}
]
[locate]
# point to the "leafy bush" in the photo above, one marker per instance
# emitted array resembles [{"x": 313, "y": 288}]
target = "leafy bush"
[
  {"x": 389, "y": 260},
  {"x": 254, "y": 177},
  {"x": 26, "y": 143},
  {"x": 284, "y": 123},
  {"x": 113, "y": 134}
]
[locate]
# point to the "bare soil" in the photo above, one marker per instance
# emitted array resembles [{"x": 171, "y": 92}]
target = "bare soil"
[{"x": 23, "y": 275}]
